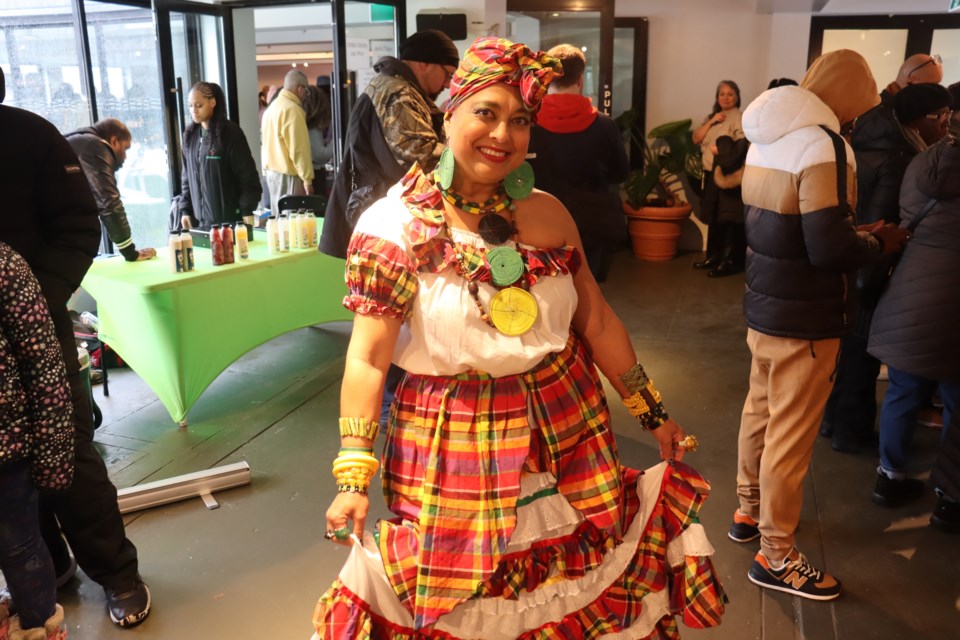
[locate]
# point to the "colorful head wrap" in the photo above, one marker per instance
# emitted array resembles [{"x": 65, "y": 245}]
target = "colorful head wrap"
[{"x": 491, "y": 60}]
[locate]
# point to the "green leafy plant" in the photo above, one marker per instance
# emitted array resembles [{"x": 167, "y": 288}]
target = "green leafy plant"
[{"x": 671, "y": 163}]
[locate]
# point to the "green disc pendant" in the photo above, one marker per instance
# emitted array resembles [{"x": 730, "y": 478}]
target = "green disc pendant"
[
  {"x": 519, "y": 183},
  {"x": 445, "y": 168},
  {"x": 506, "y": 266}
]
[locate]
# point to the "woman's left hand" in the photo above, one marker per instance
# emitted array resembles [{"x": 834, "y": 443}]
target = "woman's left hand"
[{"x": 668, "y": 436}]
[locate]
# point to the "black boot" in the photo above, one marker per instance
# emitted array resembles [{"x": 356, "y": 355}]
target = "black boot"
[
  {"x": 725, "y": 268},
  {"x": 708, "y": 262}
]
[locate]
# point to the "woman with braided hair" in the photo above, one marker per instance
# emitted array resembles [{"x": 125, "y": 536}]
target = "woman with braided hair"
[
  {"x": 513, "y": 515},
  {"x": 219, "y": 182}
]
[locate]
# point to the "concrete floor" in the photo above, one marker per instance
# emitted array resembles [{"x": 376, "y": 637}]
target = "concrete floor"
[{"x": 254, "y": 567}]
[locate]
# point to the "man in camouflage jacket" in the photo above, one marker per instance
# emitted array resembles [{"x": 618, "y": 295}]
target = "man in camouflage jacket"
[{"x": 394, "y": 123}]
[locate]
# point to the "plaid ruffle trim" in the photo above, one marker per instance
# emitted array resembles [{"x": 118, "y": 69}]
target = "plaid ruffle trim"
[
  {"x": 694, "y": 593},
  {"x": 435, "y": 252}
]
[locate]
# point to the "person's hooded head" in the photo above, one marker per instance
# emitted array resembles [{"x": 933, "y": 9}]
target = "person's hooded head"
[
  {"x": 925, "y": 108},
  {"x": 843, "y": 81}
]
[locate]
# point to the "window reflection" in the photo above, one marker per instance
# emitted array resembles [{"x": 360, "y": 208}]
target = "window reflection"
[{"x": 39, "y": 56}]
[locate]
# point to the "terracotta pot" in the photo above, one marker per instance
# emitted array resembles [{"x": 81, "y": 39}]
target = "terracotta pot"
[{"x": 654, "y": 231}]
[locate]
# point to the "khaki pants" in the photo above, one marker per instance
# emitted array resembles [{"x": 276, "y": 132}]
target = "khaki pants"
[
  {"x": 279, "y": 185},
  {"x": 790, "y": 381}
]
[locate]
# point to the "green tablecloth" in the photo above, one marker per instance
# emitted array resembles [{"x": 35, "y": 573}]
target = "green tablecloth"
[{"x": 180, "y": 331}]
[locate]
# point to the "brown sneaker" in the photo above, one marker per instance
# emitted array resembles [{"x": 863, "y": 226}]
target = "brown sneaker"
[
  {"x": 930, "y": 417},
  {"x": 796, "y": 577}
]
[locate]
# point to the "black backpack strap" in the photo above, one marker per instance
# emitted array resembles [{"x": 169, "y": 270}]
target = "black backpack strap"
[
  {"x": 840, "y": 150},
  {"x": 921, "y": 215}
]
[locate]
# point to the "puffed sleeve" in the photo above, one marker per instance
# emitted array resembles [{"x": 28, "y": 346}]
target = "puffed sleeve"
[{"x": 381, "y": 277}]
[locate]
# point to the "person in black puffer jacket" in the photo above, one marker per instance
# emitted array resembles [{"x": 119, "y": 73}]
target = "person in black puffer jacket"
[
  {"x": 220, "y": 182},
  {"x": 883, "y": 148},
  {"x": 914, "y": 327}
]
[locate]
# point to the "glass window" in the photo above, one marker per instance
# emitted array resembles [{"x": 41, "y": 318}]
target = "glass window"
[
  {"x": 623, "y": 40},
  {"x": 40, "y": 58},
  {"x": 884, "y": 49},
  {"x": 126, "y": 76},
  {"x": 946, "y": 42}
]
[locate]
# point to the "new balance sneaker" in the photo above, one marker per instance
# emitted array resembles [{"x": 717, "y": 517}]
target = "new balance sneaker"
[
  {"x": 744, "y": 528},
  {"x": 129, "y": 607},
  {"x": 889, "y": 492},
  {"x": 796, "y": 577}
]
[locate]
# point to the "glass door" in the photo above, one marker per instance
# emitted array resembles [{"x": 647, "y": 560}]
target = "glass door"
[
  {"x": 126, "y": 80},
  {"x": 195, "y": 43},
  {"x": 542, "y": 24}
]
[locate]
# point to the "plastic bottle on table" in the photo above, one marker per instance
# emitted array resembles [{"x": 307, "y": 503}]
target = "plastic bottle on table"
[
  {"x": 186, "y": 244},
  {"x": 295, "y": 220},
  {"x": 226, "y": 234},
  {"x": 175, "y": 253},
  {"x": 243, "y": 246},
  {"x": 273, "y": 236},
  {"x": 283, "y": 228},
  {"x": 216, "y": 245},
  {"x": 311, "y": 229}
]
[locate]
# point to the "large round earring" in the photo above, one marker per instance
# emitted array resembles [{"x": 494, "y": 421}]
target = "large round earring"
[
  {"x": 445, "y": 168},
  {"x": 519, "y": 183}
]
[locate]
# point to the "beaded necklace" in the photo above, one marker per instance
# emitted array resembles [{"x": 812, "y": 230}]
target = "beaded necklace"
[{"x": 513, "y": 310}]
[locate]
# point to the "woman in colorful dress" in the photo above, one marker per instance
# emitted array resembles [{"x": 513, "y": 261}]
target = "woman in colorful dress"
[{"x": 514, "y": 517}]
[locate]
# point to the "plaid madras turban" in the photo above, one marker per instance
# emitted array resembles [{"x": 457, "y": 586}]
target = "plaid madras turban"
[{"x": 491, "y": 60}]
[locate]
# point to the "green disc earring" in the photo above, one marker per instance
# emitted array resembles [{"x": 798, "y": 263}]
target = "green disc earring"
[
  {"x": 445, "y": 168},
  {"x": 519, "y": 183}
]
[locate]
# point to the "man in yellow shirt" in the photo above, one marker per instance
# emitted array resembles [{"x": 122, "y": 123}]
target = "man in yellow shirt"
[{"x": 285, "y": 150}]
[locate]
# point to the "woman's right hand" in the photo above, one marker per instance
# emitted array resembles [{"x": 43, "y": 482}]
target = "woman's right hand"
[
  {"x": 348, "y": 507},
  {"x": 718, "y": 117}
]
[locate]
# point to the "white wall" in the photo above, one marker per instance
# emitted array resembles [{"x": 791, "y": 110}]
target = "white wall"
[{"x": 247, "y": 88}]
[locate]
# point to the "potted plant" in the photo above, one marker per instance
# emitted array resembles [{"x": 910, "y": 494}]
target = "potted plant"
[{"x": 660, "y": 196}]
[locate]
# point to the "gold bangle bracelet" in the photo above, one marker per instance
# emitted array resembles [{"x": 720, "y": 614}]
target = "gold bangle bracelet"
[{"x": 359, "y": 428}]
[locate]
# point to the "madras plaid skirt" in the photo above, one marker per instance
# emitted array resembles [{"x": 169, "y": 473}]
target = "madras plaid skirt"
[{"x": 513, "y": 511}]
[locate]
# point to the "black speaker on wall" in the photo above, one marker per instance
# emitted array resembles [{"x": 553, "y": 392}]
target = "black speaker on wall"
[{"x": 452, "y": 24}]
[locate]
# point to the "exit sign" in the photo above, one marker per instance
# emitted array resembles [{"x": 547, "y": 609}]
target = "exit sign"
[{"x": 954, "y": 5}]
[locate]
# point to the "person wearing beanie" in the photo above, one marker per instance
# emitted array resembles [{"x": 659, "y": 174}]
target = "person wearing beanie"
[
  {"x": 394, "y": 124},
  {"x": 569, "y": 126},
  {"x": 798, "y": 189},
  {"x": 924, "y": 112}
]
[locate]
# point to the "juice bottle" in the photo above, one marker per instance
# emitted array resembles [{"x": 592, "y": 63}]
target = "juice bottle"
[
  {"x": 273, "y": 236},
  {"x": 216, "y": 245},
  {"x": 283, "y": 229},
  {"x": 311, "y": 229},
  {"x": 295, "y": 230},
  {"x": 175, "y": 253},
  {"x": 243, "y": 247},
  {"x": 226, "y": 234},
  {"x": 186, "y": 243}
]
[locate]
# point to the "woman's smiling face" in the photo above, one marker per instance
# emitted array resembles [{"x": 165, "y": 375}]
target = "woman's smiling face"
[
  {"x": 726, "y": 97},
  {"x": 488, "y": 134}
]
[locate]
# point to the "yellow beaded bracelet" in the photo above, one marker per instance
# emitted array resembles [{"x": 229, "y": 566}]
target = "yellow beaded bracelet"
[{"x": 359, "y": 428}]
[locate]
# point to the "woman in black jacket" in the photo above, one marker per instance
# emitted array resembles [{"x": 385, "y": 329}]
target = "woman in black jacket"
[{"x": 220, "y": 181}]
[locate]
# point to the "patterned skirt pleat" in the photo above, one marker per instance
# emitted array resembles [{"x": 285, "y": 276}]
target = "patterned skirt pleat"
[{"x": 515, "y": 520}]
